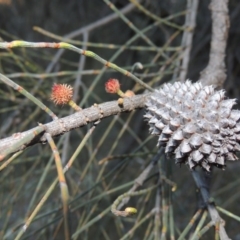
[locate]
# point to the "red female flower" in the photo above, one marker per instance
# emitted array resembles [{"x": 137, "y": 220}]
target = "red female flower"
[
  {"x": 61, "y": 94},
  {"x": 113, "y": 86}
]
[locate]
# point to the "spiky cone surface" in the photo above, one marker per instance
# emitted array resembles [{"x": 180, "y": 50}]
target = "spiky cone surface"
[{"x": 195, "y": 123}]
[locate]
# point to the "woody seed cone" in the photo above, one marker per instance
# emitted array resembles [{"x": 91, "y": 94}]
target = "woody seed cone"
[{"x": 195, "y": 124}]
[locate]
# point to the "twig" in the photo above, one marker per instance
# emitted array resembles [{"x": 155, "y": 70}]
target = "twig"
[
  {"x": 155, "y": 17},
  {"x": 200, "y": 224},
  {"x": 190, "y": 224},
  {"x": 78, "y": 83},
  {"x": 88, "y": 28},
  {"x": 6, "y": 163},
  {"x": 129, "y": 210},
  {"x": 210, "y": 205},
  {"x": 62, "y": 183},
  {"x": 229, "y": 214},
  {"x": 190, "y": 23},
  {"x": 19, "y": 43},
  {"x": 29, "y": 220},
  {"x": 157, "y": 219},
  {"x": 204, "y": 230},
  {"x": 171, "y": 222},
  {"x": 131, "y": 231},
  {"x": 79, "y": 119},
  {"x": 141, "y": 178},
  {"x": 100, "y": 45},
  {"x": 133, "y": 27},
  {"x": 21, "y": 90}
]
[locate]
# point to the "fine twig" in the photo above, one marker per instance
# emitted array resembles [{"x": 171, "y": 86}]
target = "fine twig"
[
  {"x": 157, "y": 218},
  {"x": 128, "y": 234},
  {"x": 138, "y": 182},
  {"x": 101, "y": 45},
  {"x": 204, "y": 230},
  {"x": 62, "y": 183},
  {"x": 63, "y": 45},
  {"x": 88, "y": 28},
  {"x": 190, "y": 224},
  {"x": 76, "y": 87},
  {"x": 200, "y": 224},
  {"x": 190, "y": 23},
  {"x": 155, "y": 17},
  {"x": 129, "y": 210},
  {"x": 29, "y": 220},
  {"x": 21, "y": 90}
]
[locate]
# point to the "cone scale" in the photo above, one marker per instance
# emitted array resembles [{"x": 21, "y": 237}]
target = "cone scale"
[{"x": 195, "y": 124}]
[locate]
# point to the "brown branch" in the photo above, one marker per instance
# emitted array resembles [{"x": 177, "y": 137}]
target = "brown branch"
[
  {"x": 76, "y": 120},
  {"x": 214, "y": 74}
]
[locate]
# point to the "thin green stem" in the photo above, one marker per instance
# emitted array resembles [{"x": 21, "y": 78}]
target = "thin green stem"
[
  {"x": 18, "y": 43},
  {"x": 26, "y": 93},
  {"x": 100, "y": 45},
  {"x": 128, "y": 211},
  {"x": 155, "y": 17},
  {"x": 190, "y": 224},
  {"x": 130, "y": 232},
  {"x": 62, "y": 183},
  {"x": 204, "y": 230},
  {"x": 6, "y": 163},
  {"x": 53, "y": 185},
  {"x": 200, "y": 224},
  {"x": 229, "y": 214}
]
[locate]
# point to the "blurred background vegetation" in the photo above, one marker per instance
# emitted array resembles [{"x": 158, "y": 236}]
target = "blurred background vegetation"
[{"x": 124, "y": 138}]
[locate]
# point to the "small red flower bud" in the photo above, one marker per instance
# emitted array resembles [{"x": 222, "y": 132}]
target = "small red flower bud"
[
  {"x": 112, "y": 86},
  {"x": 61, "y": 94}
]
